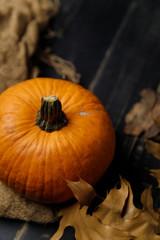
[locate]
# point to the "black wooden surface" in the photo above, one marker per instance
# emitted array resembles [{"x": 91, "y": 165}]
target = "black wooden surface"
[{"x": 115, "y": 46}]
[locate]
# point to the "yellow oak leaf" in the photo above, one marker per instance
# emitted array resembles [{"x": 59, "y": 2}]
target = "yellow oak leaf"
[
  {"x": 156, "y": 173},
  {"x": 82, "y": 191},
  {"x": 115, "y": 217},
  {"x": 153, "y": 146}
]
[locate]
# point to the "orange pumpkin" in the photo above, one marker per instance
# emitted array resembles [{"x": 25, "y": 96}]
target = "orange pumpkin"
[{"x": 45, "y": 139}]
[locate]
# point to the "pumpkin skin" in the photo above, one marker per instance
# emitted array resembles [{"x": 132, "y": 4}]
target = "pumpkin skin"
[{"x": 34, "y": 162}]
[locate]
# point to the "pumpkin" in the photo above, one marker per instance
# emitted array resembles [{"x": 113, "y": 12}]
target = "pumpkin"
[{"x": 52, "y": 130}]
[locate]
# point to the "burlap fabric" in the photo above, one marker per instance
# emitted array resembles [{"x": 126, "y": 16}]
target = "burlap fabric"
[
  {"x": 12, "y": 205},
  {"x": 21, "y": 22}
]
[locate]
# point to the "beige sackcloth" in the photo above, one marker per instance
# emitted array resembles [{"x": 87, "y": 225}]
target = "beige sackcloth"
[{"x": 21, "y": 22}]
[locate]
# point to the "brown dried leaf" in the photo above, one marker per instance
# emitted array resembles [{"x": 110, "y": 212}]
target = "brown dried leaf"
[
  {"x": 156, "y": 111},
  {"x": 118, "y": 203},
  {"x": 144, "y": 115},
  {"x": 156, "y": 173},
  {"x": 115, "y": 218},
  {"x": 153, "y": 146},
  {"x": 82, "y": 191},
  {"x": 63, "y": 67}
]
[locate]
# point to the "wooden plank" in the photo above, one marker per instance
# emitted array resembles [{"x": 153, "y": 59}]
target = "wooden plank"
[
  {"x": 41, "y": 232},
  {"x": 57, "y": 27},
  {"x": 66, "y": 14},
  {"x": 132, "y": 65},
  {"x": 9, "y": 228},
  {"x": 36, "y": 231},
  {"x": 88, "y": 35}
]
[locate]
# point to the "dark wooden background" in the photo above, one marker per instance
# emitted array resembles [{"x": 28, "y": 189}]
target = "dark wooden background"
[{"x": 115, "y": 46}]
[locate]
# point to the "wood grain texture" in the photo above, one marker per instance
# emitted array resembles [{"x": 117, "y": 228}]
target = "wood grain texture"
[
  {"x": 132, "y": 66},
  {"x": 35, "y": 231},
  {"x": 8, "y": 229},
  {"x": 88, "y": 35}
]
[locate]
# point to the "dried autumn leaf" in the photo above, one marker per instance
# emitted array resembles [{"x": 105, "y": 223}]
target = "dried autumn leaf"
[
  {"x": 156, "y": 111},
  {"x": 156, "y": 173},
  {"x": 144, "y": 115},
  {"x": 153, "y": 146},
  {"x": 82, "y": 191},
  {"x": 115, "y": 218}
]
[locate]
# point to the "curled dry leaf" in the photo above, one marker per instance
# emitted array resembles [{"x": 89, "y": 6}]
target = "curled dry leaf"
[
  {"x": 82, "y": 191},
  {"x": 144, "y": 115},
  {"x": 156, "y": 173},
  {"x": 153, "y": 146},
  {"x": 64, "y": 68},
  {"x": 115, "y": 218}
]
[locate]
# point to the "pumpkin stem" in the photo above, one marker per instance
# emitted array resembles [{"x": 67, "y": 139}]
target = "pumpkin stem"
[{"x": 50, "y": 117}]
